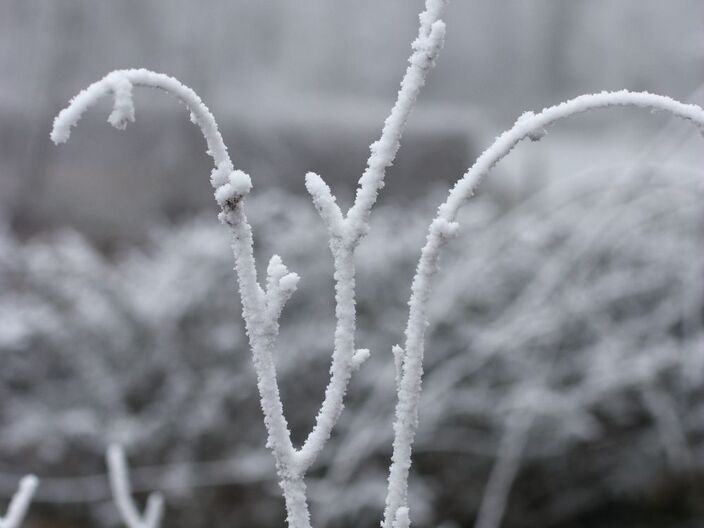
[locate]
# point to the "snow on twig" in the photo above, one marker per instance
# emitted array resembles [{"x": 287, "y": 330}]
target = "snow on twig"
[
  {"x": 431, "y": 36},
  {"x": 262, "y": 306},
  {"x": 19, "y": 504},
  {"x": 346, "y": 232},
  {"x": 231, "y": 186},
  {"x": 119, "y": 83},
  {"x": 122, "y": 494},
  {"x": 531, "y": 126}
]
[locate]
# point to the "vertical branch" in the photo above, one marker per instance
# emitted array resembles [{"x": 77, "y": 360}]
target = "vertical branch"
[
  {"x": 412, "y": 370},
  {"x": 431, "y": 35},
  {"x": 346, "y": 232},
  {"x": 262, "y": 335}
]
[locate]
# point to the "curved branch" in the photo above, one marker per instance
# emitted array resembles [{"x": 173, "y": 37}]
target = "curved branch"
[
  {"x": 529, "y": 125},
  {"x": 119, "y": 83},
  {"x": 231, "y": 186},
  {"x": 533, "y": 126}
]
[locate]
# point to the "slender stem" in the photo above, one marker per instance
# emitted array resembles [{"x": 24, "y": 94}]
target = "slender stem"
[
  {"x": 431, "y": 36},
  {"x": 297, "y": 515},
  {"x": 344, "y": 348},
  {"x": 529, "y": 125},
  {"x": 262, "y": 337},
  {"x": 346, "y": 233}
]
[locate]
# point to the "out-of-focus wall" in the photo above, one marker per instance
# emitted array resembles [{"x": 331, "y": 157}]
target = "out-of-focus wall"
[{"x": 299, "y": 86}]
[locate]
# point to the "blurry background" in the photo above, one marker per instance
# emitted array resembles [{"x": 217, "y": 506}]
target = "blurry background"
[{"x": 566, "y": 347}]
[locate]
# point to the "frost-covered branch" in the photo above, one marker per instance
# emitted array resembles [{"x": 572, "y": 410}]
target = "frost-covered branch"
[
  {"x": 426, "y": 46},
  {"x": 119, "y": 83},
  {"x": 19, "y": 504},
  {"x": 529, "y": 125},
  {"x": 261, "y": 307},
  {"x": 533, "y": 126},
  {"x": 122, "y": 494},
  {"x": 258, "y": 306},
  {"x": 346, "y": 232}
]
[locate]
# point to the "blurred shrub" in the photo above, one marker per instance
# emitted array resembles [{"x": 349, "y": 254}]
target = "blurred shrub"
[{"x": 580, "y": 309}]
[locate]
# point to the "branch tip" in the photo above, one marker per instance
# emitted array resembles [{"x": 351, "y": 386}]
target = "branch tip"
[
  {"x": 398, "y": 353},
  {"x": 325, "y": 203},
  {"x": 20, "y": 502},
  {"x": 280, "y": 285}
]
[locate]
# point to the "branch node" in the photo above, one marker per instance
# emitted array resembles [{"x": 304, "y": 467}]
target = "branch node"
[
  {"x": 123, "y": 107},
  {"x": 236, "y": 187},
  {"x": 446, "y": 230}
]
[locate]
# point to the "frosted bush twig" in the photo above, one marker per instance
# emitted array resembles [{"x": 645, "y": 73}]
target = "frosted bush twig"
[
  {"x": 346, "y": 232},
  {"x": 425, "y": 49},
  {"x": 122, "y": 494},
  {"x": 262, "y": 308},
  {"x": 262, "y": 305},
  {"x": 444, "y": 226},
  {"x": 19, "y": 504},
  {"x": 258, "y": 307}
]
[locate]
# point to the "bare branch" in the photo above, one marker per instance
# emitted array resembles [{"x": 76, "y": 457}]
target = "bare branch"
[
  {"x": 19, "y": 504},
  {"x": 531, "y": 126},
  {"x": 280, "y": 285},
  {"x": 119, "y": 83},
  {"x": 346, "y": 234},
  {"x": 431, "y": 35},
  {"x": 122, "y": 494}
]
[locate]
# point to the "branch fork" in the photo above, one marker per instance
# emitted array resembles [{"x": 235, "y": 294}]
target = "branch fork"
[
  {"x": 122, "y": 494},
  {"x": 262, "y": 306}
]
